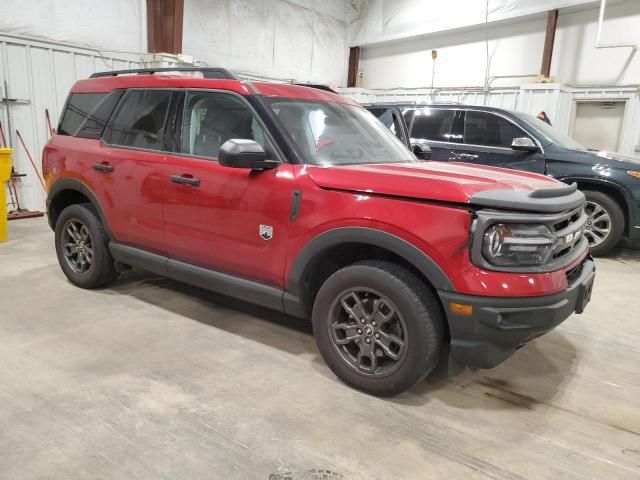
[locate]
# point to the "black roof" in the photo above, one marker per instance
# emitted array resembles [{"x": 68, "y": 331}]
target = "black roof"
[{"x": 438, "y": 105}]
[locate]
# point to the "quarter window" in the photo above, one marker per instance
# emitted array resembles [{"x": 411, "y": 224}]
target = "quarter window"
[
  {"x": 209, "y": 119},
  {"x": 140, "y": 121},
  {"x": 86, "y": 114},
  {"x": 487, "y": 129},
  {"x": 432, "y": 124}
]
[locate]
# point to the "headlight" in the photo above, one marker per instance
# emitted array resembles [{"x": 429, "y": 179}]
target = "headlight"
[{"x": 513, "y": 244}]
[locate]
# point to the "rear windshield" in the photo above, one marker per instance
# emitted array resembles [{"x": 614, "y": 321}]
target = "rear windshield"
[
  {"x": 86, "y": 114},
  {"x": 328, "y": 133}
]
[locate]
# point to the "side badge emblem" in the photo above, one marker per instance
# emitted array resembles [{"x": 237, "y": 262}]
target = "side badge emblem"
[{"x": 266, "y": 232}]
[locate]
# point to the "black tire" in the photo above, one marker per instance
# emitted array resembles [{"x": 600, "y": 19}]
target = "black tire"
[
  {"x": 418, "y": 312},
  {"x": 101, "y": 269},
  {"x": 603, "y": 245}
]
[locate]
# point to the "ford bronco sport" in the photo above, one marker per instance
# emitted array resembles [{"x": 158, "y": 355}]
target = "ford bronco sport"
[{"x": 299, "y": 200}]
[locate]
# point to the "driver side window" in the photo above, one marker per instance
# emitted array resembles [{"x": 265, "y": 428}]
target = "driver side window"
[{"x": 209, "y": 119}]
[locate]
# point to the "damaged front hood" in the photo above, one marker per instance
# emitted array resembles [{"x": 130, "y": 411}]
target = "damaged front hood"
[{"x": 450, "y": 182}]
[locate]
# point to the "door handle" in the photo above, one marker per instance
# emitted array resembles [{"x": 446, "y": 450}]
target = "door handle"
[
  {"x": 186, "y": 179},
  {"x": 468, "y": 156},
  {"x": 103, "y": 167}
]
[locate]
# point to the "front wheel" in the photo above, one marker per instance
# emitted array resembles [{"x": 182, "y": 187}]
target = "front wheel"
[
  {"x": 378, "y": 327},
  {"x": 605, "y": 222}
]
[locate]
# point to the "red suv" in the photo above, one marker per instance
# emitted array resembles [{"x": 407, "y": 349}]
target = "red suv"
[{"x": 299, "y": 200}]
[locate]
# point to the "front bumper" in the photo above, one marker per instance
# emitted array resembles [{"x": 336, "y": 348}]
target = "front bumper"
[{"x": 499, "y": 326}]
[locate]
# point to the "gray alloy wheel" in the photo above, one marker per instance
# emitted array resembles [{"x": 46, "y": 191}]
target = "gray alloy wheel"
[
  {"x": 605, "y": 222},
  {"x": 78, "y": 246},
  {"x": 82, "y": 247},
  {"x": 378, "y": 327},
  {"x": 598, "y": 226},
  {"x": 367, "y": 331}
]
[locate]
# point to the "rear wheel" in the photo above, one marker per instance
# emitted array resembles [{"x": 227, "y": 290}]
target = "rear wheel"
[
  {"x": 378, "y": 327},
  {"x": 82, "y": 247},
  {"x": 605, "y": 222}
]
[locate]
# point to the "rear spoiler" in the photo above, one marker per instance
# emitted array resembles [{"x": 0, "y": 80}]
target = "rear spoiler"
[{"x": 319, "y": 86}]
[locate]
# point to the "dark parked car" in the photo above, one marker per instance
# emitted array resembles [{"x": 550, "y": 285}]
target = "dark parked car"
[{"x": 502, "y": 138}]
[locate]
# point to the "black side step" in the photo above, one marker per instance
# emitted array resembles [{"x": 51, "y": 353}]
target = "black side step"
[{"x": 219, "y": 282}]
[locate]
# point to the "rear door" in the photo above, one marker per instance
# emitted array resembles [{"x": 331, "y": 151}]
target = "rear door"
[
  {"x": 486, "y": 139},
  {"x": 434, "y": 127},
  {"x": 130, "y": 165},
  {"x": 232, "y": 220}
]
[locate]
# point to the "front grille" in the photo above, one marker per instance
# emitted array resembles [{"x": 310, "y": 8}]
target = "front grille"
[{"x": 569, "y": 231}]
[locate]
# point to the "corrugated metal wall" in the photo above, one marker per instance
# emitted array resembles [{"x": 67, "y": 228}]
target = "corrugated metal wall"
[
  {"x": 558, "y": 101},
  {"x": 39, "y": 75}
]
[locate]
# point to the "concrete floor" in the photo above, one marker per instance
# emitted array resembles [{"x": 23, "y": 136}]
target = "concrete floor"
[{"x": 151, "y": 379}]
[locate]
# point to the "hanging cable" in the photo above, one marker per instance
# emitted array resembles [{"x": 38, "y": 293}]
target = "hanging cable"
[{"x": 486, "y": 44}]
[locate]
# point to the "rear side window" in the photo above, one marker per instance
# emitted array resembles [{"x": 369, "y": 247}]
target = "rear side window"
[
  {"x": 86, "y": 114},
  {"x": 481, "y": 128},
  {"x": 140, "y": 121},
  {"x": 432, "y": 124}
]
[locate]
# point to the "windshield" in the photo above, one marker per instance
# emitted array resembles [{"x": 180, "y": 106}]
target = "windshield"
[
  {"x": 338, "y": 134},
  {"x": 551, "y": 133}
]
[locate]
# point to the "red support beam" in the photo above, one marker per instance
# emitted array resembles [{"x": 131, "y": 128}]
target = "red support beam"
[
  {"x": 549, "y": 39},
  {"x": 354, "y": 65},
  {"x": 164, "y": 26}
]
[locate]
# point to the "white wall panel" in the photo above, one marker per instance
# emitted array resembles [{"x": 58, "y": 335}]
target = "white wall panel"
[
  {"x": 113, "y": 24},
  {"x": 378, "y": 21},
  {"x": 303, "y": 40},
  {"x": 292, "y": 27},
  {"x": 42, "y": 73},
  {"x": 515, "y": 48}
]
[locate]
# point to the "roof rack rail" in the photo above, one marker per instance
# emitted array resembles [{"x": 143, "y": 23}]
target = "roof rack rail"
[{"x": 220, "y": 73}]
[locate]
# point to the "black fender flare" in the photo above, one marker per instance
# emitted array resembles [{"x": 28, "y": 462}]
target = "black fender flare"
[
  {"x": 293, "y": 298},
  {"x": 72, "y": 184}
]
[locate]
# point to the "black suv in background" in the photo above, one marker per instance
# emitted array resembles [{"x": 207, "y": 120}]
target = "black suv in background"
[{"x": 502, "y": 138}]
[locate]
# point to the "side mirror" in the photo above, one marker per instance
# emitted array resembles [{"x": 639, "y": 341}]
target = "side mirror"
[
  {"x": 242, "y": 153},
  {"x": 524, "y": 144},
  {"x": 421, "y": 150}
]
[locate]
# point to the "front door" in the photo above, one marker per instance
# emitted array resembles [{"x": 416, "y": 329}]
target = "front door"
[
  {"x": 487, "y": 138},
  {"x": 227, "y": 219}
]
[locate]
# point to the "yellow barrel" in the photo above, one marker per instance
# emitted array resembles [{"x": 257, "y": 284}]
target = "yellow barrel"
[{"x": 5, "y": 174}]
